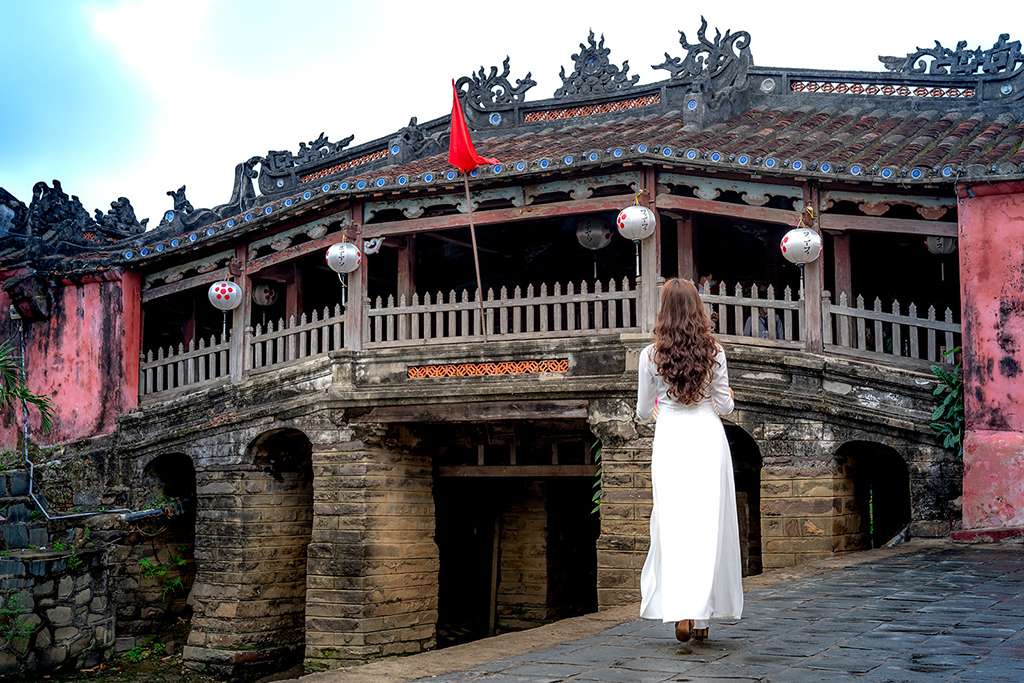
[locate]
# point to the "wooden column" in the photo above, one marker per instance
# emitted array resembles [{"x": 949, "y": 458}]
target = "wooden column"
[
  {"x": 814, "y": 280},
  {"x": 407, "y": 267},
  {"x": 843, "y": 275},
  {"x": 355, "y": 310},
  {"x": 241, "y": 316},
  {"x": 684, "y": 247},
  {"x": 293, "y": 294},
  {"x": 650, "y": 257}
]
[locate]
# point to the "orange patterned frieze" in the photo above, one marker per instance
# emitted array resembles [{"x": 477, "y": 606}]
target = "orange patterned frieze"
[
  {"x": 592, "y": 109},
  {"x": 491, "y": 369}
]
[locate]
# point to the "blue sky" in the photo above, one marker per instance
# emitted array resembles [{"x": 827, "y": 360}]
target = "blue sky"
[{"x": 137, "y": 97}]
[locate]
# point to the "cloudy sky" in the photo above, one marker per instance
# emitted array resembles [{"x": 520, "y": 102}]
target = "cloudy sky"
[{"x": 136, "y": 97}]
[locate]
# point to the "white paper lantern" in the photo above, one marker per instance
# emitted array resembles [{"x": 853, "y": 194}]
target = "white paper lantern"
[
  {"x": 264, "y": 294},
  {"x": 593, "y": 233},
  {"x": 636, "y": 222},
  {"x": 225, "y": 295},
  {"x": 940, "y": 246},
  {"x": 801, "y": 245},
  {"x": 343, "y": 257}
]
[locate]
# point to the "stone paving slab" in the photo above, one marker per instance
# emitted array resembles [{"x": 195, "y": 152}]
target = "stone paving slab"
[{"x": 933, "y": 612}]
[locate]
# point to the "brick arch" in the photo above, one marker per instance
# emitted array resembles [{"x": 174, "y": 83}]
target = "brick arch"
[{"x": 873, "y": 501}]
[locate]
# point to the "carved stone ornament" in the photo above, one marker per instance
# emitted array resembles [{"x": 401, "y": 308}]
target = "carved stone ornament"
[
  {"x": 1002, "y": 57},
  {"x": 713, "y": 66},
  {"x": 414, "y": 142},
  {"x": 488, "y": 91},
  {"x": 281, "y": 169},
  {"x": 594, "y": 74}
]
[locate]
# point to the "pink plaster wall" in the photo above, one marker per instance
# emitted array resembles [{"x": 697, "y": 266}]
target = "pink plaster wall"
[
  {"x": 991, "y": 230},
  {"x": 85, "y": 357}
]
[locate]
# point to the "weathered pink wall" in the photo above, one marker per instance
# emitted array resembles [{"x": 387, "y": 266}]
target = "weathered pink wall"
[
  {"x": 992, "y": 297},
  {"x": 85, "y": 357}
]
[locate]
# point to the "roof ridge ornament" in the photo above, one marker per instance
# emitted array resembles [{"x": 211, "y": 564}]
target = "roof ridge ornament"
[
  {"x": 489, "y": 91},
  {"x": 1002, "y": 57},
  {"x": 594, "y": 74},
  {"x": 712, "y": 65},
  {"x": 415, "y": 142}
]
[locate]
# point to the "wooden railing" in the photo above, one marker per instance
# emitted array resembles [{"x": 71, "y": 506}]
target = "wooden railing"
[
  {"x": 188, "y": 366},
  {"x": 891, "y": 335},
  {"x": 294, "y": 340},
  {"x": 590, "y": 308},
  {"x": 756, "y": 317}
]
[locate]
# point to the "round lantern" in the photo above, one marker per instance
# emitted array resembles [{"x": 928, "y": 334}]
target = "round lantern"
[
  {"x": 225, "y": 295},
  {"x": 264, "y": 294},
  {"x": 801, "y": 245},
  {"x": 636, "y": 222},
  {"x": 593, "y": 233},
  {"x": 343, "y": 257},
  {"x": 940, "y": 246}
]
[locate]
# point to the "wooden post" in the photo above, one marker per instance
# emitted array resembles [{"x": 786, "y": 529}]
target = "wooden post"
[
  {"x": 841, "y": 259},
  {"x": 355, "y": 309},
  {"x": 650, "y": 256},
  {"x": 406, "y": 285},
  {"x": 684, "y": 247},
  {"x": 293, "y": 294},
  {"x": 814, "y": 276},
  {"x": 240, "y": 317}
]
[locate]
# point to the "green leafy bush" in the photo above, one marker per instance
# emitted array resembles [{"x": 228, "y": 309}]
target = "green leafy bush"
[{"x": 948, "y": 416}]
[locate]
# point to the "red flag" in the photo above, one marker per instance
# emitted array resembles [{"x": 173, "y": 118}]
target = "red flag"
[{"x": 461, "y": 153}]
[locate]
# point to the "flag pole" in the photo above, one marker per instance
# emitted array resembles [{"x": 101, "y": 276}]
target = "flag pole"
[{"x": 476, "y": 258}]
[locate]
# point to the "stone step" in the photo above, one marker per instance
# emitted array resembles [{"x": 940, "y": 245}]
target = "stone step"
[{"x": 13, "y": 483}]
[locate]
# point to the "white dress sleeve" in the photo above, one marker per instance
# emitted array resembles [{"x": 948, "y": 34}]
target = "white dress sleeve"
[
  {"x": 646, "y": 392},
  {"x": 720, "y": 396}
]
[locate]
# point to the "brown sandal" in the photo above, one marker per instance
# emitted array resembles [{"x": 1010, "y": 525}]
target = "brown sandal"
[
  {"x": 683, "y": 630},
  {"x": 700, "y": 634}
]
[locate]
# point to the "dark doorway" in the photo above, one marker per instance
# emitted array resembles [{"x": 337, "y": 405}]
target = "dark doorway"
[
  {"x": 746, "y": 467},
  {"x": 877, "y": 494}
]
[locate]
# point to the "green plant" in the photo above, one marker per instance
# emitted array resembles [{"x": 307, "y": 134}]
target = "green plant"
[
  {"x": 13, "y": 624},
  {"x": 74, "y": 561},
  {"x": 145, "y": 650},
  {"x": 172, "y": 583},
  {"x": 136, "y": 654},
  {"x": 595, "y": 454},
  {"x": 59, "y": 546},
  {"x": 13, "y": 388},
  {"x": 948, "y": 416}
]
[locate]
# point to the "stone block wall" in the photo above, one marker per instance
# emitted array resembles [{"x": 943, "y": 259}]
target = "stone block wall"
[
  {"x": 523, "y": 565},
  {"x": 64, "y": 618},
  {"x": 799, "y": 513},
  {"x": 373, "y": 562}
]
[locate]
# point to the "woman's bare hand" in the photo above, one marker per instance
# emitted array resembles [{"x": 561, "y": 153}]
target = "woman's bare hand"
[{"x": 732, "y": 394}]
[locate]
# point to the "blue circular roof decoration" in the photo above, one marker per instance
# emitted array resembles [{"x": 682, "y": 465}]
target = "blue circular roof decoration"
[
  {"x": 307, "y": 194},
  {"x": 380, "y": 182},
  {"x": 642, "y": 148},
  {"x": 169, "y": 216},
  {"x": 568, "y": 159},
  {"x": 917, "y": 173},
  {"x": 692, "y": 154},
  {"x": 360, "y": 184},
  {"x": 144, "y": 251},
  {"x": 743, "y": 159},
  {"x": 175, "y": 242},
  {"x": 691, "y": 105},
  {"x": 267, "y": 210},
  {"x": 520, "y": 165},
  {"x": 325, "y": 187},
  {"x": 716, "y": 156},
  {"x": 494, "y": 118},
  {"x": 666, "y": 151},
  {"x": 395, "y": 149},
  {"x": 544, "y": 163},
  {"x": 451, "y": 175},
  {"x": 593, "y": 156},
  {"x": 797, "y": 165},
  {"x": 497, "y": 169},
  {"x": 856, "y": 169},
  {"x": 210, "y": 232},
  {"x": 617, "y": 152},
  {"x": 474, "y": 173},
  {"x": 771, "y": 162},
  {"x": 192, "y": 237},
  {"x": 887, "y": 172},
  {"x": 825, "y": 167},
  {"x": 428, "y": 177},
  {"x": 247, "y": 217},
  {"x": 344, "y": 185},
  {"x": 160, "y": 248},
  {"x": 231, "y": 223},
  {"x": 128, "y": 255},
  {"x": 289, "y": 202},
  {"x": 947, "y": 171},
  {"x": 403, "y": 180}
]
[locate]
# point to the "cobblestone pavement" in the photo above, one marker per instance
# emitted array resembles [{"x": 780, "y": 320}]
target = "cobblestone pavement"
[{"x": 935, "y": 614}]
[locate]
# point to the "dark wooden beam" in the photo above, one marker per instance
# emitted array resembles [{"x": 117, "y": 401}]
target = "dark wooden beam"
[
  {"x": 473, "y": 412},
  {"x": 509, "y": 471},
  {"x": 753, "y": 213},
  {"x": 182, "y": 285},
  {"x": 684, "y": 247},
  {"x": 833, "y": 221},
  {"x": 290, "y": 253},
  {"x": 509, "y": 215}
]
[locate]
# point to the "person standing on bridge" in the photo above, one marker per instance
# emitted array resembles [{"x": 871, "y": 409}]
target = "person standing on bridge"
[{"x": 692, "y": 572}]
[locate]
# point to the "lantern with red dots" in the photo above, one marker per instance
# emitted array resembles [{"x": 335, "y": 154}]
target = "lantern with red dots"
[
  {"x": 801, "y": 245},
  {"x": 636, "y": 222},
  {"x": 343, "y": 257},
  {"x": 225, "y": 295}
]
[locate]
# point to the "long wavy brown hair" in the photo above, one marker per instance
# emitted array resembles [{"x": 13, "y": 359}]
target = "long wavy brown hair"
[{"x": 685, "y": 348}]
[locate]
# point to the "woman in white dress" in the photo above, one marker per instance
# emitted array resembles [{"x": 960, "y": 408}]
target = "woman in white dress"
[{"x": 692, "y": 573}]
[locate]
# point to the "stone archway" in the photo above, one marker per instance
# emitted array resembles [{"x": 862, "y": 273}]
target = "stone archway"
[
  {"x": 872, "y": 495},
  {"x": 746, "y": 466}
]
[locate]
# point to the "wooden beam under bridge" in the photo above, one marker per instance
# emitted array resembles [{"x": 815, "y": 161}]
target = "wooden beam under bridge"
[{"x": 475, "y": 412}]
